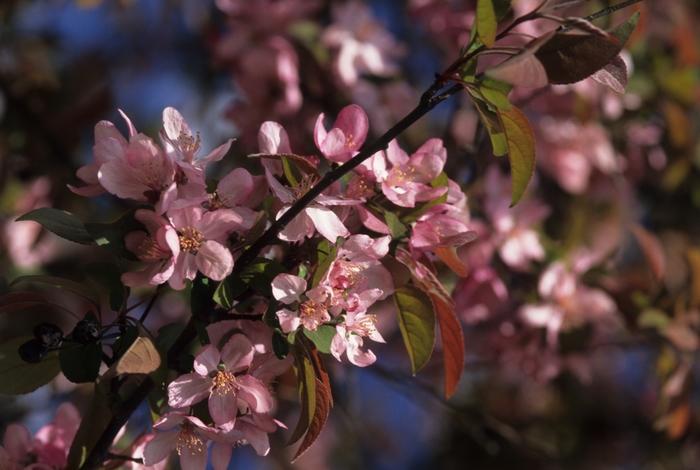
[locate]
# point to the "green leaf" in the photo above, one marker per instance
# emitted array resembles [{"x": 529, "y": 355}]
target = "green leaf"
[
  {"x": 521, "y": 150},
  {"x": 653, "y": 318},
  {"x": 625, "y": 29},
  {"x": 80, "y": 363},
  {"x": 417, "y": 324},
  {"x": 321, "y": 337},
  {"x": 496, "y": 93},
  {"x": 493, "y": 126},
  {"x": 18, "y": 377},
  {"x": 95, "y": 421},
  {"x": 111, "y": 235},
  {"x": 326, "y": 253},
  {"x": 62, "y": 223},
  {"x": 396, "y": 228},
  {"x": 126, "y": 339},
  {"x": 486, "y": 22},
  {"x": 290, "y": 172}
]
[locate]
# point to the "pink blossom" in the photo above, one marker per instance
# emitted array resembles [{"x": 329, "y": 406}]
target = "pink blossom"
[
  {"x": 185, "y": 434},
  {"x": 571, "y": 152},
  {"x": 567, "y": 302},
  {"x": 250, "y": 429},
  {"x": 137, "y": 452},
  {"x": 362, "y": 44},
  {"x": 356, "y": 279},
  {"x": 109, "y": 145},
  {"x": 349, "y": 338},
  {"x": 23, "y": 242},
  {"x": 518, "y": 243},
  {"x": 202, "y": 236},
  {"x": 182, "y": 147},
  {"x": 222, "y": 377},
  {"x": 312, "y": 311},
  {"x": 49, "y": 448},
  {"x": 480, "y": 296},
  {"x": 440, "y": 226},
  {"x": 345, "y": 137},
  {"x": 408, "y": 180},
  {"x": 316, "y": 216},
  {"x": 158, "y": 248}
]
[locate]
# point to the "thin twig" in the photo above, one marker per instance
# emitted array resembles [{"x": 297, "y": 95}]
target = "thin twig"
[{"x": 150, "y": 305}]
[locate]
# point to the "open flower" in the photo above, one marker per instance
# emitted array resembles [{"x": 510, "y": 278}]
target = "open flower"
[
  {"x": 187, "y": 435},
  {"x": 311, "y": 312},
  {"x": 202, "y": 236},
  {"x": 222, "y": 377},
  {"x": 349, "y": 338},
  {"x": 408, "y": 180},
  {"x": 158, "y": 248}
]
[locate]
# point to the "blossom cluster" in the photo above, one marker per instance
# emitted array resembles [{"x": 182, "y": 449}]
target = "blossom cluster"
[{"x": 192, "y": 226}]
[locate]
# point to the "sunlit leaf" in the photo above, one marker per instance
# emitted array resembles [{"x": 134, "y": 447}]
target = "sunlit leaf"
[
  {"x": 141, "y": 357},
  {"x": 486, "y": 22},
  {"x": 417, "y": 325},
  {"x": 321, "y": 337},
  {"x": 521, "y": 150},
  {"x": 452, "y": 342}
]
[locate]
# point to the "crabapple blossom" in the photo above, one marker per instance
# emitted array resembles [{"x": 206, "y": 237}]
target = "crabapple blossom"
[
  {"x": 187, "y": 435},
  {"x": 349, "y": 338},
  {"x": 221, "y": 376},
  {"x": 49, "y": 447},
  {"x": 345, "y": 137}
]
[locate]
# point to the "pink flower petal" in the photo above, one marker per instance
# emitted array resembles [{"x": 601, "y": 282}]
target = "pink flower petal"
[
  {"x": 255, "y": 393},
  {"x": 207, "y": 361},
  {"x": 223, "y": 409},
  {"x": 188, "y": 389},
  {"x": 287, "y": 288},
  {"x": 327, "y": 223},
  {"x": 160, "y": 447},
  {"x": 221, "y": 455},
  {"x": 214, "y": 260},
  {"x": 237, "y": 354}
]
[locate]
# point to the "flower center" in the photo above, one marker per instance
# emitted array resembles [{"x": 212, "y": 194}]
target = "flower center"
[
  {"x": 188, "y": 440},
  {"x": 149, "y": 250},
  {"x": 225, "y": 382},
  {"x": 190, "y": 239},
  {"x": 312, "y": 314},
  {"x": 364, "y": 326},
  {"x": 307, "y": 182},
  {"x": 188, "y": 143},
  {"x": 359, "y": 188},
  {"x": 402, "y": 174}
]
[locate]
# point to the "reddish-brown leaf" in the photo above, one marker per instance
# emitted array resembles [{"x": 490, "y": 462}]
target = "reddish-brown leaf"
[
  {"x": 316, "y": 396},
  {"x": 448, "y": 255},
  {"x": 450, "y": 328},
  {"x": 614, "y": 75},
  {"x": 452, "y": 343}
]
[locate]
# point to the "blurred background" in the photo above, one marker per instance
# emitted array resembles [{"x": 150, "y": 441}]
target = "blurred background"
[{"x": 581, "y": 307}]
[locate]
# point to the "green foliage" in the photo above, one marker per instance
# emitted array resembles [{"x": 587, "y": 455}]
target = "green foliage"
[
  {"x": 326, "y": 253},
  {"x": 19, "y": 377},
  {"x": 321, "y": 337},
  {"x": 417, "y": 324},
  {"x": 62, "y": 223},
  {"x": 95, "y": 421},
  {"x": 486, "y": 22},
  {"x": 521, "y": 150}
]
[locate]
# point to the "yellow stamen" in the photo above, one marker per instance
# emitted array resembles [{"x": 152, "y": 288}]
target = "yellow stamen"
[{"x": 190, "y": 239}]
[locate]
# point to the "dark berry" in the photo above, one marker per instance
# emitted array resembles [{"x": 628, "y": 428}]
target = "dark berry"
[
  {"x": 49, "y": 334},
  {"x": 86, "y": 331},
  {"x": 33, "y": 351}
]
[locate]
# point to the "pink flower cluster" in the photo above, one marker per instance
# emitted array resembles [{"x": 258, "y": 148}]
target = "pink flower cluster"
[
  {"x": 190, "y": 229},
  {"x": 232, "y": 375},
  {"x": 47, "y": 450}
]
